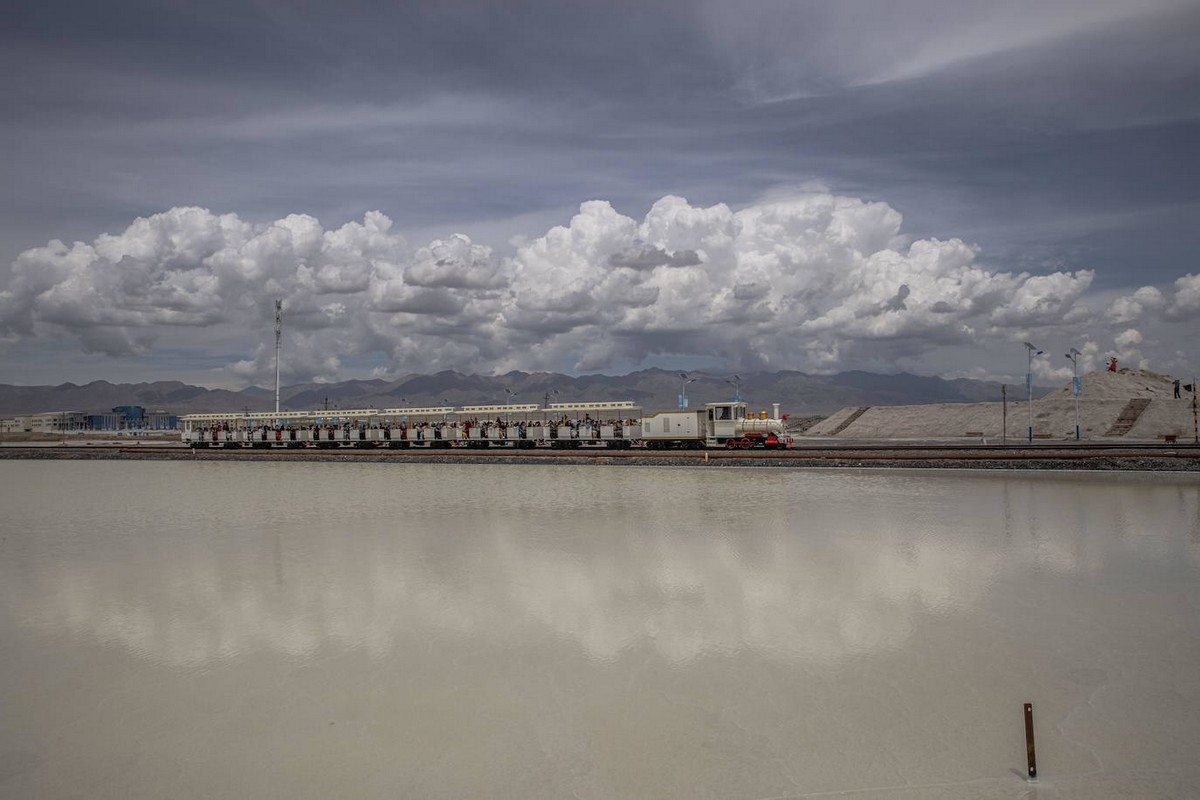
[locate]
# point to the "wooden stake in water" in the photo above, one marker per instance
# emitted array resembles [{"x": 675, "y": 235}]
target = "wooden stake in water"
[{"x": 1029, "y": 742}]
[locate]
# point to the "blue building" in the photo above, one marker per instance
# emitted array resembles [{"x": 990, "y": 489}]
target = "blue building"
[{"x": 132, "y": 418}]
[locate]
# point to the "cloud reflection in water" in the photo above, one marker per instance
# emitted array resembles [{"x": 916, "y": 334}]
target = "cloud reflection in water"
[{"x": 797, "y": 566}]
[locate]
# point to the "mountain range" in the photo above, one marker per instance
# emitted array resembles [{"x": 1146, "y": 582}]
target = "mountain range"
[{"x": 798, "y": 393}]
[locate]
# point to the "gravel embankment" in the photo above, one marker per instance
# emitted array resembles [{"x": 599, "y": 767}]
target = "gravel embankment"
[{"x": 1165, "y": 460}]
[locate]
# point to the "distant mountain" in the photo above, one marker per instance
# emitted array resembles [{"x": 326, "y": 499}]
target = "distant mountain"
[
  {"x": 99, "y": 396},
  {"x": 798, "y": 393}
]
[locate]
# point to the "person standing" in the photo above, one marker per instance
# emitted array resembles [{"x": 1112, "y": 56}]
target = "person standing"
[{"x": 1177, "y": 388}]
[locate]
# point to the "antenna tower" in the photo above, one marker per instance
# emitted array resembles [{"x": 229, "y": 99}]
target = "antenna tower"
[{"x": 278, "y": 337}]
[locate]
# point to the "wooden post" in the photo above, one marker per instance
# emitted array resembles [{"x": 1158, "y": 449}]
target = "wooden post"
[{"x": 1029, "y": 751}]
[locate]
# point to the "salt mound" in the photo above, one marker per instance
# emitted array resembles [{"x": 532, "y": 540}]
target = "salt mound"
[
  {"x": 1104, "y": 408},
  {"x": 1124, "y": 384}
]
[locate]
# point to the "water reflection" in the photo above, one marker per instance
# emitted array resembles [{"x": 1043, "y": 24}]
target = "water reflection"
[{"x": 212, "y": 562}]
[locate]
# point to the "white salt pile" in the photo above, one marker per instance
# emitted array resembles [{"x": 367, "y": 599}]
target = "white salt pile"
[{"x": 1128, "y": 405}]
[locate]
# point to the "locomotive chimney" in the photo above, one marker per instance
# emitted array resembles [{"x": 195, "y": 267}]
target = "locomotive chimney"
[{"x": 774, "y": 410}]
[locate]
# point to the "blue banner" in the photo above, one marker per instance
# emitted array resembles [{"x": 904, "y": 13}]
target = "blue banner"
[{"x": 1076, "y": 386}]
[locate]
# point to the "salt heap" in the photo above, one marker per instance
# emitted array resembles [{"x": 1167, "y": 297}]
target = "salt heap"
[{"x": 1127, "y": 405}]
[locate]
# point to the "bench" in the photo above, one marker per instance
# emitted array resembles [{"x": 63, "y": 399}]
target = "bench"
[{"x": 1169, "y": 438}]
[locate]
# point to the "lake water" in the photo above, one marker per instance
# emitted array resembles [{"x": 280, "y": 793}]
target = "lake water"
[{"x": 274, "y": 630}]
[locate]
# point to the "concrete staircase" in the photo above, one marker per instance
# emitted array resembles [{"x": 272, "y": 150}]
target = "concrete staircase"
[
  {"x": 1128, "y": 417},
  {"x": 848, "y": 421}
]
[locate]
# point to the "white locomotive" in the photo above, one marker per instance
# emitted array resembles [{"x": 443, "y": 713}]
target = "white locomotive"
[
  {"x": 716, "y": 425},
  {"x": 603, "y": 424}
]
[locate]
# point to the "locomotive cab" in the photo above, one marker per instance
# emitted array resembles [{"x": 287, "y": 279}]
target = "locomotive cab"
[{"x": 723, "y": 418}]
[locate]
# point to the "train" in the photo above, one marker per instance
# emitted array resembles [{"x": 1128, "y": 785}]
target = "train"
[{"x": 613, "y": 425}]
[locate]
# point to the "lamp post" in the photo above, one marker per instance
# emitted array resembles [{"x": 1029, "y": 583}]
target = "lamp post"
[
  {"x": 1076, "y": 387},
  {"x": 684, "y": 380},
  {"x": 511, "y": 394},
  {"x": 1030, "y": 352},
  {"x": 736, "y": 383}
]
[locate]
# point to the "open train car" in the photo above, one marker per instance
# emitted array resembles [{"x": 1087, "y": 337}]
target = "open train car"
[
  {"x": 600, "y": 424},
  {"x": 608, "y": 424}
]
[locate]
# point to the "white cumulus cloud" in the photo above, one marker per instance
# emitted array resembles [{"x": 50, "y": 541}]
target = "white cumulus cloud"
[
  {"x": 1131, "y": 308},
  {"x": 808, "y": 280}
]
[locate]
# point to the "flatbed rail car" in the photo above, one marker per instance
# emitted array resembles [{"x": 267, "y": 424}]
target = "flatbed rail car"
[{"x": 600, "y": 424}]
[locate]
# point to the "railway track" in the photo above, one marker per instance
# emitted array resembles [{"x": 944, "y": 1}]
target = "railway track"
[{"x": 1084, "y": 455}]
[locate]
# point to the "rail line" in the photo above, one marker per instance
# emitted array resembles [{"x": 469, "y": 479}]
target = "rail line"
[{"x": 1083, "y": 455}]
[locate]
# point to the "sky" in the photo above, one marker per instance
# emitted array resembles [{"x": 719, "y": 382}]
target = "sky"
[{"x": 917, "y": 185}]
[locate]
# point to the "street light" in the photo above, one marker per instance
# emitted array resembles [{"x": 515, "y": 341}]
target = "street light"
[
  {"x": 1030, "y": 352},
  {"x": 511, "y": 394},
  {"x": 736, "y": 383},
  {"x": 1076, "y": 387},
  {"x": 684, "y": 380}
]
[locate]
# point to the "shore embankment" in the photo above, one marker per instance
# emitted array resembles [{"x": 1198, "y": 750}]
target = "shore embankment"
[{"x": 1085, "y": 456}]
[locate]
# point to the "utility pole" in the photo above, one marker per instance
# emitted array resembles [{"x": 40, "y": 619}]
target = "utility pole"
[{"x": 278, "y": 337}]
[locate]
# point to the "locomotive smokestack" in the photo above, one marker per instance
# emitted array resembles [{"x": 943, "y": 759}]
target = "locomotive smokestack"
[{"x": 774, "y": 410}]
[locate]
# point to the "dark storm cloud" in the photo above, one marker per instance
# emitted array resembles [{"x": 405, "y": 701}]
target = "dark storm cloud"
[
  {"x": 897, "y": 302},
  {"x": 1057, "y": 136},
  {"x": 435, "y": 111},
  {"x": 646, "y": 257}
]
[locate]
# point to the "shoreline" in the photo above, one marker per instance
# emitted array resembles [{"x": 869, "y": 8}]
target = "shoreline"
[{"x": 1138, "y": 458}]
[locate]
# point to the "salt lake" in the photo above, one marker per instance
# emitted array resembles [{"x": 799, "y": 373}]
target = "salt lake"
[{"x": 431, "y": 630}]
